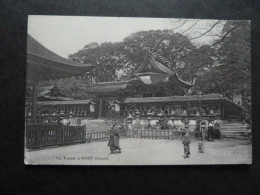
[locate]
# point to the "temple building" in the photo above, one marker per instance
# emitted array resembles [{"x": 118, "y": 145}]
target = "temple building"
[
  {"x": 43, "y": 64},
  {"x": 154, "y": 91}
]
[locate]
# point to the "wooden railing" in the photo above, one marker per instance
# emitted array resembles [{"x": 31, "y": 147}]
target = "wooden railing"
[
  {"x": 43, "y": 135},
  {"x": 39, "y": 135},
  {"x": 159, "y": 134},
  {"x": 100, "y": 135}
]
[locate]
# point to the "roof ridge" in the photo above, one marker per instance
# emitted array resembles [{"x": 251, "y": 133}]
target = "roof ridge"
[{"x": 32, "y": 42}]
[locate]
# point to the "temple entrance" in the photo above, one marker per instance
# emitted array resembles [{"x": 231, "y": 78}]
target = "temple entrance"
[
  {"x": 147, "y": 95},
  {"x": 107, "y": 108},
  {"x": 104, "y": 108}
]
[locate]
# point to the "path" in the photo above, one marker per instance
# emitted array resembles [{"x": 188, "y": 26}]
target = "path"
[{"x": 145, "y": 152}]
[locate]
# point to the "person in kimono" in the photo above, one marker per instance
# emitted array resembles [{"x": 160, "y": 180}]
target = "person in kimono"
[
  {"x": 114, "y": 137},
  {"x": 210, "y": 130},
  {"x": 111, "y": 143},
  {"x": 201, "y": 145},
  {"x": 203, "y": 129},
  {"x": 186, "y": 144}
]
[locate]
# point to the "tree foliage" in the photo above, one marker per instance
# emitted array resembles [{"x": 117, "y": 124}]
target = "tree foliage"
[{"x": 223, "y": 67}]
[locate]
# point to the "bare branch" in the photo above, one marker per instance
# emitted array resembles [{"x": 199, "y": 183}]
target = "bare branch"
[
  {"x": 206, "y": 31},
  {"x": 174, "y": 22},
  {"x": 225, "y": 35},
  {"x": 190, "y": 27},
  {"x": 246, "y": 73},
  {"x": 184, "y": 22}
]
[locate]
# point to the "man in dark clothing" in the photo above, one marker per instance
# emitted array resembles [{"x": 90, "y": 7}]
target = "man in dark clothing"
[
  {"x": 210, "y": 130},
  {"x": 197, "y": 129},
  {"x": 114, "y": 137}
]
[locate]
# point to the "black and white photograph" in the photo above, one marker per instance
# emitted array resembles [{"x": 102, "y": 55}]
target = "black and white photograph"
[{"x": 137, "y": 91}]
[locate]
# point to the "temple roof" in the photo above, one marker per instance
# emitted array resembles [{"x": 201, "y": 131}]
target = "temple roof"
[
  {"x": 107, "y": 87},
  {"x": 51, "y": 93},
  {"x": 210, "y": 97},
  {"x": 43, "y": 64},
  {"x": 69, "y": 102},
  {"x": 159, "y": 73},
  {"x": 156, "y": 67},
  {"x": 111, "y": 87},
  {"x": 172, "y": 98}
]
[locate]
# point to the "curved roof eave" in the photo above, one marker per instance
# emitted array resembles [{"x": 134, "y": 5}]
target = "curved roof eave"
[
  {"x": 185, "y": 82},
  {"x": 40, "y": 57}
]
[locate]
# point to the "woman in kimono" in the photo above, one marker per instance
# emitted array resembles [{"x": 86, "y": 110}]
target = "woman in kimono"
[
  {"x": 114, "y": 137},
  {"x": 111, "y": 143},
  {"x": 186, "y": 144}
]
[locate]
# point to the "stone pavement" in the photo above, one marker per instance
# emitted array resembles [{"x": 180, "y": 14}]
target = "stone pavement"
[{"x": 144, "y": 152}]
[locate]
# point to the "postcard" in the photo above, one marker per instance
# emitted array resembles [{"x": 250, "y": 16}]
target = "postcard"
[{"x": 137, "y": 91}]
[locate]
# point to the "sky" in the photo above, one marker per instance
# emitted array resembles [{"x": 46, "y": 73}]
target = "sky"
[{"x": 66, "y": 35}]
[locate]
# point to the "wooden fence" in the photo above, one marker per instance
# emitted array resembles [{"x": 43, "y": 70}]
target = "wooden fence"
[
  {"x": 100, "y": 135},
  {"x": 43, "y": 135},
  {"x": 39, "y": 135},
  {"x": 159, "y": 134}
]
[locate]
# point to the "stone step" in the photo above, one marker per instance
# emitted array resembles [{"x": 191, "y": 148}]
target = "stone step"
[
  {"x": 234, "y": 132},
  {"x": 239, "y": 125},
  {"x": 233, "y": 126},
  {"x": 242, "y": 137},
  {"x": 233, "y": 129}
]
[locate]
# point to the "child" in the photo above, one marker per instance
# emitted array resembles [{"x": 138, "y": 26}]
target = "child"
[
  {"x": 201, "y": 145},
  {"x": 186, "y": 144}
]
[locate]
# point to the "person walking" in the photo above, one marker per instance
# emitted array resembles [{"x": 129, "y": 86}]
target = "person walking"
[
  {"x": 111, "y": 143},
  {"x": 114, "y": 137}
]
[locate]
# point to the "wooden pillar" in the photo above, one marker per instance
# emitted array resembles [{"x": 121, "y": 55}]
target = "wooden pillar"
[
  {"x": 34, "y": 101},
  {"x": 223, "y": 111},
  {"x": 219, "y": 110},
  {"x": 100, "y": 108},
  {"x": 200, "y": 111}
]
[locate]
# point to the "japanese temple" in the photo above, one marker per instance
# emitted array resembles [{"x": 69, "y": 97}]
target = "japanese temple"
[
  {"x": 43, "y": 64},
  {"x": 154, "y": 90}
]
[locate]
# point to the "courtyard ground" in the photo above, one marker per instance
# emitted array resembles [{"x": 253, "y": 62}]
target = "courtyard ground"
[{"x": 144, "y": 152}]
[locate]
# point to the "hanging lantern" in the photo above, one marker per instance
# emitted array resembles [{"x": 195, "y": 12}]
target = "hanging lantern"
[
  {"x": 130, "y": 119},
  {"x": 70, "y": 114},
  {"x": 92, "y": 107},
  {"x": 200, "y": 95},
  {"x": 54, "y": 114},
  {"x": 184, "y": 112},
  {"x": 137, "y": 113},
  {"x": 149, "y": 113},
  {"x": 62, "y": 113},
  {"x": 117, "y": 105}
]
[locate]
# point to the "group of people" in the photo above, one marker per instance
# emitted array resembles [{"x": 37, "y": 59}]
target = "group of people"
[
  {"x": 186, "y": 143},
  {"x": 206, "y": 130},
  {"x": 116, "y": 128}
]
